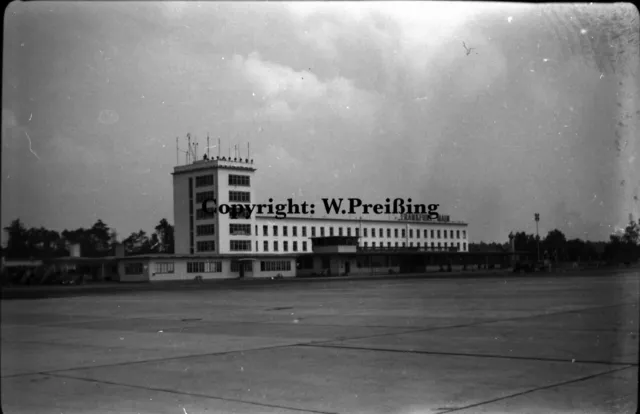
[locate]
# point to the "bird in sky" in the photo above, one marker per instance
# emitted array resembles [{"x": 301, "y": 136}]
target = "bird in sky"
[{"x": 468, "y": 49}]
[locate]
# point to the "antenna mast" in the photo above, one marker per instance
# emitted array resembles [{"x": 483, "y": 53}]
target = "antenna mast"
[
  {"x": 177, "y": 152},
  {"x": 207, "y": 145},
  {"x": 219, "y": 148},
  {"x": 248, "y": 152},
  {"x": 189, "y": 150}
]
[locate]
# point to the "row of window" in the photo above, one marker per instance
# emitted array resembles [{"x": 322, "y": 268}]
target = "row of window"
[
  {"x": 239, "y": 180},
  {"x": 240, "y": 229},
  {"x": 204, "y": 267},
  {"x": 206, "y": 195},
  {"x": 206, "y": 246},
  {"x": 206, "y": 230},
  {"x": 235, "y": 180},
  {"x": 210, "y": 267},
  {"x": 204, "y": 180},
  {"x": 453, "y": 234},
  {"x": 418, "y": 244},
  {"x": 239, "y": 197},
  {"x": 275, "y": 266},
  {"x": 285, "y": 246}
]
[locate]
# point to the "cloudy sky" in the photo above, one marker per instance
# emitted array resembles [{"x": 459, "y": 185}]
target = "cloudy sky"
[{"x": 336, "y": 100}]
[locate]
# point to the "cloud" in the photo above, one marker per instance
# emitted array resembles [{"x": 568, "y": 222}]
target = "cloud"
[{"x": 285, "y": 94}]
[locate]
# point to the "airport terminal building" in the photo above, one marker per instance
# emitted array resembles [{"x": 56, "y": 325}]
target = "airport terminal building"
[{"x": 229, "y": 245}]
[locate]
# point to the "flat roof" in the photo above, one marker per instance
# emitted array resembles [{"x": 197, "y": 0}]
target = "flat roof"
[
  {"x": 363, "y": 220},
  {"x": 247, "y": 255}
]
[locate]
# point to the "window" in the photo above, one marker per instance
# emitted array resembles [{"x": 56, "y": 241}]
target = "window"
[
  {"x": 321, "y": 231},
  {"x": 445, "y": 245},
  {"x": 432, "y": 243},
  {"x": 206, "y": 246},
  {"x": 404, "y": 244},
  {"x": 439, "y": 244},
  {"x": 313, "y": 231},
  {"x": 133, "y": 268},
  {"x": 240, "y": 229},
  {"x": 304, "y": 246},
  {"x": 388, "y": 244},
  {"x": 202, "y": 215},
  {"x": 204, "y": 180},
  {"x": 404, "y": 233},
  {"x": 411, "y": 244},
  {"x": 330, "y": 231},
  {"x": 265, "y": 230},
  {"x": 438, "y": 233},
  {"x": 265, "y": 246},
  {"x": 373, "y": 244},
  {"x": 417, "y": 234},
  {"x": 204, "y": 267},
  {"x": 256, "y": 245},
  {"x": 206, "y": 230},
  {"x": 275, "y": 266},
  {"x": 388, "y": 232},
  {"x": 240, "y": 245},
  {"x": 339, "y": 231},
  {"x": 396, "y": 244},
  {"x": 451, "y": 233},
  {"x": 239, "y": 180},
  {"x": 457, "y": 234},
  {"x": 395, "y": 233},
  {"x": 304, "y": 231},
  {"x": 235, "y": 266},
  {"x": 239, "y": 215},
  {"x": 164, "y": 267},
  {"x": 295, "y": 246},
  {"x": 458, "y": 245},
  {"x": 275, "y": 231},
  {"x": 239, "y": 197},
  {"x": 284, "y": 231},
  {"x": 364, "y": 232},
  {"x": 381, "y": 233},
  {"x": 373, "y": 232},
  {"x": 411, "y": 233},
  {"x": 464, "y": 234},
  {"x": 294, "y": 231},
  {"x": 204, "y": 196},
  {"x": 418, "y": 244},
  {"x": 275, "y": 246},
  {"x": 285, "y": 246},
  {"x": 432, "y": 234},
  {"x": 425, "y": 234},
  {"x": 365, "y": 244},
  {"x": 357, "y": 232},
  {"x": 464, "y": 247}
]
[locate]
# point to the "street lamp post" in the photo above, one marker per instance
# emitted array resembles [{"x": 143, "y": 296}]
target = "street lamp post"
[{"x": 537, "y": 217}]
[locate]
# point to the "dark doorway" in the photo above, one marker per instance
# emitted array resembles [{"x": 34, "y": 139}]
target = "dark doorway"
[
  {"x": 347, "y": 267},
  {"x": 241, "y": 270}
]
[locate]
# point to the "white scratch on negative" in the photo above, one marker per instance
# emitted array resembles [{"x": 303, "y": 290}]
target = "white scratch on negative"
[
  {"x": 30, "y": 149},
  {"x": 185, "y": 411}
]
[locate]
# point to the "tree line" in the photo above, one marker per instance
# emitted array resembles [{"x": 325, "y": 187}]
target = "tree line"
[
  {"x": 621, "y": 247},
  {"x": 97, "y": 241}
]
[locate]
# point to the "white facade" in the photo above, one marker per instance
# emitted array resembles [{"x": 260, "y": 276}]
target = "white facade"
[
  {"x": 211, "y": 246},
  {"x": 275, "y": 236},
  {"x": 294, "y": 233}
]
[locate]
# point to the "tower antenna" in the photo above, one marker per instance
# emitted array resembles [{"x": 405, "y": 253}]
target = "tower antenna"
[
  {"x": 177, "y": 152},
  {"x": 248, "y": 152},
  {"x": 219, "y": 148},
  {"x": 189, "y": 148},
  {"x": 207, "y": 144}
]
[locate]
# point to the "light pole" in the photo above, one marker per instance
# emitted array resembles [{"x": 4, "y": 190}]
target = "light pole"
[{"x": 537, "y": 217}]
